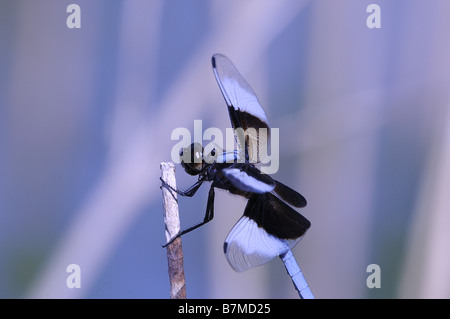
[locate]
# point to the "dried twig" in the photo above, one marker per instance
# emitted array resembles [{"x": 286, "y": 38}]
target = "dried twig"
[{"x": 172, "y": 222}]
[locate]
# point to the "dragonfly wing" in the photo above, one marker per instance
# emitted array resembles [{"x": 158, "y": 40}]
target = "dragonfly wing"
[
  {"x": 268, "y": 229},
  {"x": 246, "y": 113}
]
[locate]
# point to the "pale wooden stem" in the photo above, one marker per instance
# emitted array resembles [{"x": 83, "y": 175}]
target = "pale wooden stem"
[{"x": 172, "y": 222}]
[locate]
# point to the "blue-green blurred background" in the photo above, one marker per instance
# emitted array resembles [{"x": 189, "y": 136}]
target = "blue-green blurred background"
[{"x": 86, "y": 117}]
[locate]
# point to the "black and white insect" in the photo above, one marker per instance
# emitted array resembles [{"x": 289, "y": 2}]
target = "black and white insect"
[{"x": 270, "y": 227}]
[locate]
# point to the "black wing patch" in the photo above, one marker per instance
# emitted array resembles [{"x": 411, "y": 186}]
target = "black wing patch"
[
  {"x": 276, "y": 217},
  {"x": 289, "y": 195}
]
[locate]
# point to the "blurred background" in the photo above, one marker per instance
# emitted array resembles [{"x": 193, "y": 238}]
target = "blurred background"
[{"x": 86, "y": 117}]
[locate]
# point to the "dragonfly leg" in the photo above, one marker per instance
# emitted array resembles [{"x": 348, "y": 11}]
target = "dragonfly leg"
[
  {"x": 209, "y": 215},
  {"x": 188, "y": 192}
]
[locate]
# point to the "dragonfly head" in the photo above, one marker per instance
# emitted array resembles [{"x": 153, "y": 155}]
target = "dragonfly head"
[{"x": 192, "y": 159}]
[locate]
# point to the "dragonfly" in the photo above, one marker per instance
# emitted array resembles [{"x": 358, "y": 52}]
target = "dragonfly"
[{"x": 269, "y": 227}]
